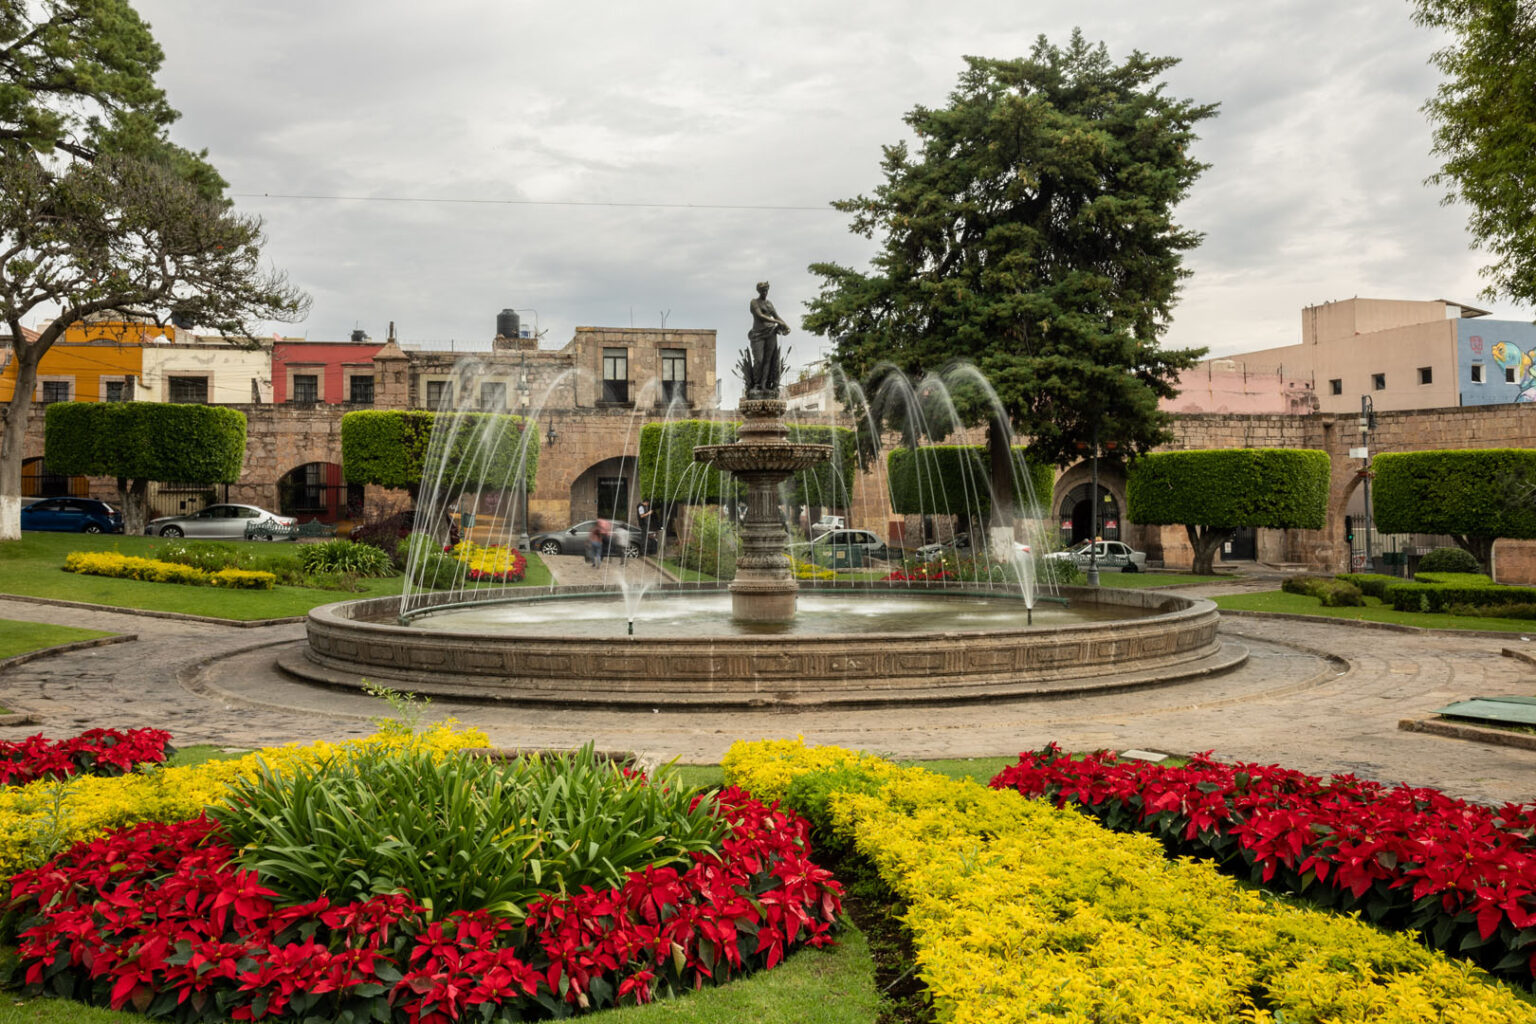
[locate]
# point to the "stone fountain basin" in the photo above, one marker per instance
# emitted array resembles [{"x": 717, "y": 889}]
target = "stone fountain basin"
[
  {"x": 1174, "y": 639},
  {"x": 763, "y": 456}
]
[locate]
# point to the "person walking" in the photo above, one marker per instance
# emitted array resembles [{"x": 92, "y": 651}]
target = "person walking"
[{"x": 596, "y": 541}]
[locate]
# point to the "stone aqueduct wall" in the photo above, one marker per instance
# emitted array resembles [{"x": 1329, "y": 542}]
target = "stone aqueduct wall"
[{"x": 283, "y": 437}]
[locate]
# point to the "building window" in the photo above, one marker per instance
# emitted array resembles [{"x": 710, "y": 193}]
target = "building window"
[
  {"x": 306, "y": 388},
  {"x": 1378, "y": 382},
  {"x": 615, "y": 375},
  {"x": 1336, "y": 386},
  {"x": 1426, "y": 375},
  {"x": 112, "y": 390},
  {"x": 439, "y": 395},
  {"x": 55, "y": 391},
  {"x": 1477, "y": 373},
  {"x": 187, "y": 390},
  {"x": 1509, "y": 375},
  {"x": 360, "y": 391},
  {"x": 674, "y": 375},
  {"x": 493, "y": 395}
]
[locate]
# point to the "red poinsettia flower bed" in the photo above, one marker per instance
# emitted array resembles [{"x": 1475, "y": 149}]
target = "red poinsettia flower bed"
[
  {"x": 93, "y": 752},
  {"x": 922, "y": 573},
  {"x": 161, "y": 918},
  {"x": 1461, "y": 873}
]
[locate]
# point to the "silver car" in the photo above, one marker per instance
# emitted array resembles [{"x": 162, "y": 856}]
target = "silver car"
[
  {"x": 218, "y": 522},
  {"x": 1111, "y": 554}
]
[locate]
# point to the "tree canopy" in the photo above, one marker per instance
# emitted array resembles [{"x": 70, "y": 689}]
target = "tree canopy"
[
  {"x": 1474, "y": 495},
  {"x": 99, "y": 210},
  {"x": 458, "y": 451},
  {"x": 137, "y": 442},
  {"x": 1484, "y": 117},
  {"x": 1030, "y": 233},
  {"x": 1212, "y": 493}
]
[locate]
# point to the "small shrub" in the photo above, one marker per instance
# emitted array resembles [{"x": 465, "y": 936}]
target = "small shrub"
[
  {"x": 1332, "y": 592},
  {"x": 386, "y": 533},
  {"x": 429, "y": 565},
  {"x": 1497, "y": 611},
  {"x": 242, "y": 579},
  {"x": 1448, "y": 560},
  {"x": 345, "y": 556},
  {"x": 708, "y": 543},
  {"x": 1371, "y": 584}
]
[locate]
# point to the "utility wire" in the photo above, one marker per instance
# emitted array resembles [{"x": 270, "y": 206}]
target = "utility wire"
[{"x": 525, "y": 202}]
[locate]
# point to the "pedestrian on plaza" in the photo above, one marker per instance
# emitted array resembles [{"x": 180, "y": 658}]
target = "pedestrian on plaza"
[{"x": 597, "y": 540}]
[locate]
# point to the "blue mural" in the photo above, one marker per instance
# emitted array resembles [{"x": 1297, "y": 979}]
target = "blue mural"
[{"x": 1503, "y": 353}]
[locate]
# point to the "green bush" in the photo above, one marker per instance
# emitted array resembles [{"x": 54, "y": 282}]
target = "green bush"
[
  {"x": 345, "y": 556},
  {"x": 708, "y": 544},
  {"x": 190, "y": 444},
  {"x": 1450, "y": 559},
  {"x": 1501, "y": 611},
  {"x": 458, "y": 833},
  {"x": 429, "y": 565},
  {"x": 949, "y": 479},
  {"x": 1332, "y": 592},
  {"x": 1455, "y": 579},
  {"x": 1440, "y": 597},
  {"x": 390, "y": 447},
  {"x": 1371, "y": 584}
]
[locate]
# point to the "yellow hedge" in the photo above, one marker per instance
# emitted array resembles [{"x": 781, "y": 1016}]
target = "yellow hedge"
[
  {"x": 110, "y": 563},
  {"x": 1023, "y": 912},
  {"x": 42, "y": 818}
]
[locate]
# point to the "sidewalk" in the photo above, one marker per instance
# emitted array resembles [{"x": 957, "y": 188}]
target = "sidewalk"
[{"x": 574, "y": 571}]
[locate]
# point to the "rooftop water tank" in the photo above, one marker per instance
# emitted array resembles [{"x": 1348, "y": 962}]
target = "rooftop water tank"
[
  {"x": 507, "y": 324},
  {"x": 359, "y": 335}
]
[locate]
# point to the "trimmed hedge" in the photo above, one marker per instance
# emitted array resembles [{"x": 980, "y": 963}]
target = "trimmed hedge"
[
  {"x": 1469, "y": 492},
  {"x": 1439, "y": 597},
  {"x": 1448, "y": 560},
  {"x": 189, "y": 444},
  {"x": 110, "y": 563},
  {"x": 950, "y": 479},
  {"x": 390, "y": 448},
  {"x": 670, "y": 475},
  {"x": 1333, "y": 592},
  {"x": 1371, "y": 584},
  {"x": 1279, "y": 488}
]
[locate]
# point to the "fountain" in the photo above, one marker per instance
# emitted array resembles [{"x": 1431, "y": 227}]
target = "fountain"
[{"x": 880, "y": 644}]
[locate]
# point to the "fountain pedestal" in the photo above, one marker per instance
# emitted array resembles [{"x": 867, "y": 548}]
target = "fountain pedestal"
[{"x": 763, "y": 457}]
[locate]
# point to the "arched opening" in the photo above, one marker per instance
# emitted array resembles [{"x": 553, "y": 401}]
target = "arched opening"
[
  {"x": 317, "y": 490},
  {"x": 1077, "y": 515},
  {"x": 605, "y": 489},
  {"x": 38, "y": 481}
]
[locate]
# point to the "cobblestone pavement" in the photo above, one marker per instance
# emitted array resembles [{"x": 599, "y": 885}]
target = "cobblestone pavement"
[{"x": 1315, "y": 696}]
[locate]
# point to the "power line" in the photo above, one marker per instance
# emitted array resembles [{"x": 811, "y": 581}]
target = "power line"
[{"x": 524, "y": 202}]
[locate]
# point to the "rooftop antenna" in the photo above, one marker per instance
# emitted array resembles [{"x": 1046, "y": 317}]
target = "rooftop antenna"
[{"x": 664, "y": 314}]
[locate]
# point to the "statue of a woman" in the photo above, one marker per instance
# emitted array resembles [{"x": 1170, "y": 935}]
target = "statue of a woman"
[{"x": 763, "y": 361}]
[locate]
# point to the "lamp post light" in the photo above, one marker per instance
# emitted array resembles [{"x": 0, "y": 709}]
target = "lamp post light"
[
  {"x": 1367, "y": 422},
  {"x": 1093, "y": 546},
  {"x": 522, "y": 406}
]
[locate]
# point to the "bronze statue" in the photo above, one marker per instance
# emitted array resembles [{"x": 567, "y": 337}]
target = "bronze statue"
[{"x": 763, "y": 364}]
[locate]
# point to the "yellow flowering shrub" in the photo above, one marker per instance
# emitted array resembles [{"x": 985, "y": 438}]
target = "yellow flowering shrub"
[
  {"x": 1023, "y": 912},
  {"x": 40, "y": 819},
  {"x": 110, "y": 563},
  {"x": 243, "y": 579},
  {"x": 810, "y": 570}
]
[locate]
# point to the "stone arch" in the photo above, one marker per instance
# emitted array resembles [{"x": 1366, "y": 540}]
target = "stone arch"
[
  {"x": 318, "y": 490},
  {"x": 1069, "y": 503}
]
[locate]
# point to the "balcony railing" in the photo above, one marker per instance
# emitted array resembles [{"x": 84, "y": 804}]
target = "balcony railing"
[
  {"x": 615, "y": 392},
  {"x": 673, "y": 391}
]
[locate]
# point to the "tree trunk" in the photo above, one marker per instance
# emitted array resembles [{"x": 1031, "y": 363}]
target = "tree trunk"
[
  {"x": 1480, "y": 548},
  {"x": 13, "y": 437},
  {"x": 1206, "y": 540},
  {"x": 1000, "y": 469},
  {"x": 133, "y": 496}
]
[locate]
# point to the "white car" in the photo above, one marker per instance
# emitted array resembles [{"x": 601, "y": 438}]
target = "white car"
[
  {"x": 1107, "y": 554},
  {"x": 826, "y": 524},
  {"x": 221, "y": 522}
]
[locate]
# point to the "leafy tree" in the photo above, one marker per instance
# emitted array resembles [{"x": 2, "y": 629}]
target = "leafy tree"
[
  {"x": 394, "y": 448},
  {"x": 669, "y": 474},
  {"x": 1485, "y": 128},
  {"x": 99, "y": 210},
  {"x": 137, "y": 442},
  {"x": 1031, "y": 234},
  {"x": 1474, "y": 495},
  {"x": 1212, "y": 493}
]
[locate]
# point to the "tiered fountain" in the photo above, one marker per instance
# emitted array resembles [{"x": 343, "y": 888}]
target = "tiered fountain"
[{"x": 877, "y": 644}]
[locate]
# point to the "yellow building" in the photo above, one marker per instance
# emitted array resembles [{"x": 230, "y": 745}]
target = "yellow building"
[{"x": 92, "y": 362}]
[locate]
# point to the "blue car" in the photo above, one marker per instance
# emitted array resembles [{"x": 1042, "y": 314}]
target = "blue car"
[{"x": 72, "y": 515}]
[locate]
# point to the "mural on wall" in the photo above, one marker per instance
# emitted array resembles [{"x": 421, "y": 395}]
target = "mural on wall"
[
  {"x": 1508, "y": 356},
  {"x": 1497, "y": 362}
]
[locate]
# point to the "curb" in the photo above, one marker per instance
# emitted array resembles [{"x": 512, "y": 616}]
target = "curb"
[
  {"x": 1529, "y": 659},
  {"x": 147, "y": 613},
  {"x": 1456, "y": 731},
  {"x": 1390, "y": 627},
  {"x": 25, "y": 718}
]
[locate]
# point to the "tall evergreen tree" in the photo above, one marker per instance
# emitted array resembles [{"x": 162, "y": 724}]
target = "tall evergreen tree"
[
  {"x": 1485, "y": 127},
  {"x": 1032, "y": 234},
  {"x": 99, "y": 210}
]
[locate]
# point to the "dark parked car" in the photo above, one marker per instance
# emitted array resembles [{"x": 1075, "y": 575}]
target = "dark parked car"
[
  {"x": 573, "y": 540},
  {"x": 219, "y": 522},
  {"x": 72, "y": 515}
]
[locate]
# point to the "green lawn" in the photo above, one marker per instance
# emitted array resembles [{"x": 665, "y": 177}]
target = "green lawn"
[
  {"x": 684, "y": 574},
  {"x": 21, "y": 637},
  {"x": 1373, "y": 611},
  {"x": 33, "y": 567},
  {"x": 1139, "y": 580}
]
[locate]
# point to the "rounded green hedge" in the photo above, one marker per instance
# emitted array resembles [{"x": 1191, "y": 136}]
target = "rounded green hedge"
[
  {"x": 1279, "y": 488},
  {"x": 172, "y": 443}
]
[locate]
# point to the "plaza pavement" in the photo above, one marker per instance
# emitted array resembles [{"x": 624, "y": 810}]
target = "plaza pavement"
[{"x": 1321, "y": 697}]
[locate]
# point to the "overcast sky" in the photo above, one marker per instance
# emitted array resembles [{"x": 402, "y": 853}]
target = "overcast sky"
[{"x": 532, "y": 111}]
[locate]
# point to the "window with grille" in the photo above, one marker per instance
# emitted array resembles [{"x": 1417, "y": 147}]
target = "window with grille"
[
  {"x": 438, "y": 394},
  {"x": 615, "y": 374},
  {"x": 674, "y": 375},
  {"x": 113, "y": 391},
  {"x": 1426, "y": 375},
  {"x": 493, "y": 395},
  {"x": 55, "y": 391},
  {"x": 306, "y": 387},
  {"x": 188, "y": 390},
  {"x": 361, "y": 391}
]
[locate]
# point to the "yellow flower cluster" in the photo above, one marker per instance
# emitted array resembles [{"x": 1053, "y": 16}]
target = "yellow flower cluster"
[
  {"x": 110, "y": 563},
  {"x": 1023, "y": 912},
  {"x": 810, "y": 570},
  {"x": 491, "y": 561},
  {"x": 42, "y": 818}
]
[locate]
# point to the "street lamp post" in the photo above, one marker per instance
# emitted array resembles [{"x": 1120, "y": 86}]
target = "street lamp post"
[
  {"x": 522, "y": 404},
  {"x": 1367, "y": 421},
  {"x": 1093, "y": 497}
]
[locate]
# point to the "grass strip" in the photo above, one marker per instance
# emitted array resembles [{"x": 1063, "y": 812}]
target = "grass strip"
[
  {"x": 1372, "y": 611},
  {"x": 25, "y": 637}
]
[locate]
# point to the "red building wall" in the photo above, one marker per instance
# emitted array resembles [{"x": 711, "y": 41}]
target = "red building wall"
[{"x": 332, "y": 362}]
